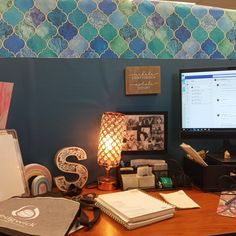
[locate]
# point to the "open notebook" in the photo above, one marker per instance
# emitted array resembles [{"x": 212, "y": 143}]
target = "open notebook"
[{"x": 134, "y": 208}]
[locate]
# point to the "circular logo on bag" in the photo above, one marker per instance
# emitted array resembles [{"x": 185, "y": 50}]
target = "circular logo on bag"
[{"x": 26, "y": 212}]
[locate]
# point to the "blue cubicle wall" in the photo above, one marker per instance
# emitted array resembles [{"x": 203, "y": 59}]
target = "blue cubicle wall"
[{"x": 59, "y": 102}]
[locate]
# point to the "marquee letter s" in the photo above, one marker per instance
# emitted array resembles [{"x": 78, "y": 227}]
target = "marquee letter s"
[{"x": 71, "y": 167}]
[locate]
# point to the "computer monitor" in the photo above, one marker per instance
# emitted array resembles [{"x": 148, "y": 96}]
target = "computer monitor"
[{"x": 208, "y": 103}]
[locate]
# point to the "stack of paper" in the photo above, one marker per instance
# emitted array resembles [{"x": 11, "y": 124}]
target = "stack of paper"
[
  {"x": 134, "y": 208},
  {"x": 179, "y": 199},
  {"x": 192, "y": 153}
]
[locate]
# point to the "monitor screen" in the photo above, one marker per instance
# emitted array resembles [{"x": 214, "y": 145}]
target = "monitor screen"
[{"x": 208, "y": 103}]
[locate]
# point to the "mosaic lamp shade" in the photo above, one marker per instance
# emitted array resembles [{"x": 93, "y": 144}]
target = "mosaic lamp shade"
[{"x": 109, "y": 147}]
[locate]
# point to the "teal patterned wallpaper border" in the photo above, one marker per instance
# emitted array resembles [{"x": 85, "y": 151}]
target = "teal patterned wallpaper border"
[{"x": 115, "y": 29}]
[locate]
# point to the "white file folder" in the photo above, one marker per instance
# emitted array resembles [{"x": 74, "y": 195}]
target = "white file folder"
[{"x": 12, "y": 178}]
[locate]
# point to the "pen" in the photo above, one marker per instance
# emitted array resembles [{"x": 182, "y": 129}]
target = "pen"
[{"x": 230, "y": 201}]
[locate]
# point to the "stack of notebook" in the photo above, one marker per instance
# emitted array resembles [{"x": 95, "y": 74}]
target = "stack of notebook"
[{"x": 134, "y": 208}]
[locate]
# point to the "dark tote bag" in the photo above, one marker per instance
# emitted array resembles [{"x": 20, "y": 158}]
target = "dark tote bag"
[{"x": 44, "y": 216}]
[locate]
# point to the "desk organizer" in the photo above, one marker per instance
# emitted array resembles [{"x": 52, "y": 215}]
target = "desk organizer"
[
  {"x": 209, "y": 178},
  {"x": 168, "y": 178}
]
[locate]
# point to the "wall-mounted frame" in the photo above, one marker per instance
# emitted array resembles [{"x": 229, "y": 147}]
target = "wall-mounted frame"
[
  {"x": 145, "y": 132},
  {"x": 142, "y": 80}
]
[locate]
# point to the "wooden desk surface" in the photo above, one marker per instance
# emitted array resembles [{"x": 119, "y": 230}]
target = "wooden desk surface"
[{"x": 203, "y": 221}]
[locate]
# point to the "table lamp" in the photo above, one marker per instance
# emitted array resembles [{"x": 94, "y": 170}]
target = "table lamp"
[{"x": 109, "y": 147}]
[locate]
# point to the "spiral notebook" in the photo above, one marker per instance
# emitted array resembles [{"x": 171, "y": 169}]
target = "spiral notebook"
[{"x": 134, "y": 208}]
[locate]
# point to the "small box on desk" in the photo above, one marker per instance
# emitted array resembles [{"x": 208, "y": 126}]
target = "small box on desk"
[
  {"x": 219, "y": 159},
  {"x": 207, "y": 177}
]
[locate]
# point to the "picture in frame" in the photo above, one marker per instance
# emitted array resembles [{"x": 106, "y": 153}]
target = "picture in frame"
[{"x": 145, "y": 132}]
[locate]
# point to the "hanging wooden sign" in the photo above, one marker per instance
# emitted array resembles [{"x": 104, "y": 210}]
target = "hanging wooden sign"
[{"x": 142, "y": 80}]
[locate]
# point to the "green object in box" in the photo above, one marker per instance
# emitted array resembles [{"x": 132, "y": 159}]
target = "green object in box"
[{"x": 166, "y": 182}]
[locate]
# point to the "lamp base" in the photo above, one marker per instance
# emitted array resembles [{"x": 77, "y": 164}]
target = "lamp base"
[{"x": 107, "y": 183}]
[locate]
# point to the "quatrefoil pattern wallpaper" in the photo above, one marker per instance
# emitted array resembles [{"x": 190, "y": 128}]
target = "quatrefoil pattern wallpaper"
[{"x": 115, "y": 29}]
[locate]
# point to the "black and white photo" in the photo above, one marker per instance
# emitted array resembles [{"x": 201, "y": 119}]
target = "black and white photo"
[{"x": 145, "y": 131}]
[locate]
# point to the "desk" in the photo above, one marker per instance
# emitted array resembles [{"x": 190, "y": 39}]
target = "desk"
[{"x": 203, "y": 221}]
